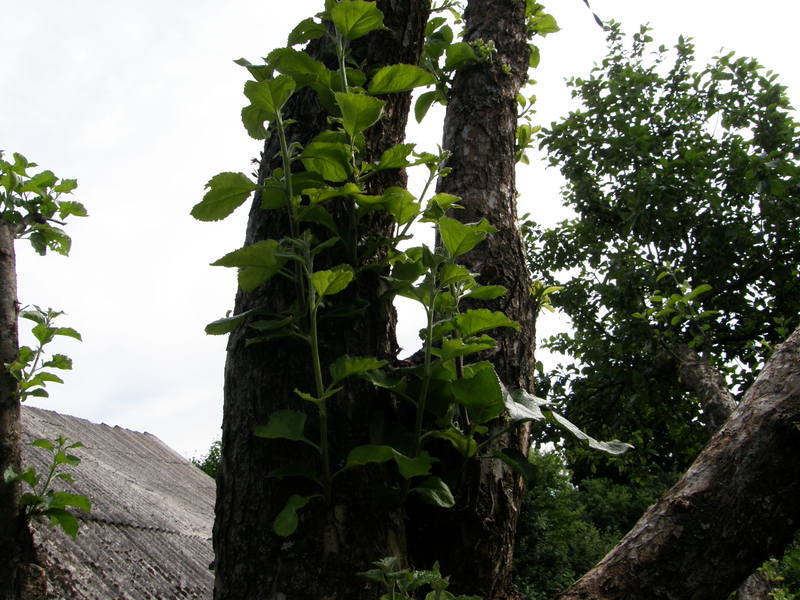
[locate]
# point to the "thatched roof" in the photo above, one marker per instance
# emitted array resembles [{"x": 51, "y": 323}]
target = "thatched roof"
[{"x": 149, "y": 533}]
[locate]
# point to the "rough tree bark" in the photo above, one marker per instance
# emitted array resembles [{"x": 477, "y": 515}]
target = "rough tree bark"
[
  {"x": 699, "y": 376},
  {"x": 734, "y": 507},
  {"x": 16, "y": 545},
  {"x": 475, "y": 540},
  {"x": 332, "y": 542}
]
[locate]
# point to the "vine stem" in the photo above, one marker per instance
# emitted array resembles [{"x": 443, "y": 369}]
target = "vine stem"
[{"x": 320, "y": 386}]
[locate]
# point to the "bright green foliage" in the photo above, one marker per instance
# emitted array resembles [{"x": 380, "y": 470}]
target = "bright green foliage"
[
  {"x": 33, "y": 204},
  {"x": 452, "y": 394},
  {"x": 685, "y": 185},
  {"x": 43, "y": 501},
  {"x": 32, "y": 369}
]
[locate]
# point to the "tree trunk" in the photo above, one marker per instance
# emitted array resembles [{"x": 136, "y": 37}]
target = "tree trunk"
[
  {"x": 16, "y": 546},
  {"x": 734, "y": 507},
  {"x": 332, "y": 542},
  {"x": 699, "y": 376},
  {"x": 475, "y": 540}
]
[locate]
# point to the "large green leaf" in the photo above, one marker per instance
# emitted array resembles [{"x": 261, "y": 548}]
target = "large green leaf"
[
  {"x": 328, "y": 159},
  {"x": 332, "y": 281},
  {"x": 286, "y": 522},
  {"x": 396, "y": 157},
  {"x": 346, "y": 365},
  {"x": 305, "y": 31},
  {"x": 226, "y": 192},
  {"x": 481, "y": 394},
  {"x": 285, "y": 425},
  {"x": 399, "y": 78},
  {"x": 466, "y": 446},
  {"x": 459, "y": 238},
  {"x": 356, "y": 18},
  {"x": 453, "y": 348},
  {"x": 270, "y": 95},
  {"x": 436, "y": 492},
  {"x": 409, "y": 467},
  {"x": 359, "y": 111},
  {"x": 298, "y": 65},
  {"x": 227, "y": 324},
  {"x": 478, "y": 320},
  {"x": 257, "y": 263}
]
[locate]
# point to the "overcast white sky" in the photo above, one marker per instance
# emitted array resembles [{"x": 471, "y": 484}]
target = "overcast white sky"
[{"x": 140, "y": 102}]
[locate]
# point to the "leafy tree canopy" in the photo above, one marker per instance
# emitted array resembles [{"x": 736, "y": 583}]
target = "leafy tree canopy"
[{"x": 685, "y": 184}]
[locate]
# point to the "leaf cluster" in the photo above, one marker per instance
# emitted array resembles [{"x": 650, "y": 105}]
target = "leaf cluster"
[
  {"x": 33, "y": 206},
  {"x": 42, "y": 500}
]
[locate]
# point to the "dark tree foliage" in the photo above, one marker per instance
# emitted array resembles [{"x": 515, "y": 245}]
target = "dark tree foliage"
[
  {"x": 565, "y": 529},
  {"x": 680, "y": 179},
  {"x": 209, "y": 462}
]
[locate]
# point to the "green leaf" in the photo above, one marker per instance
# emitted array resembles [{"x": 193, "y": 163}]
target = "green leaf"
[
  {"x": 346, "y": 366},
  {"x": 356, "y": 18},
  {"x": 227, "y": 324},
  {"x": 226, "y": 192},
  {"x": 435, "y": 491},
  {"x": 395, "y": 157},
  {"x": 286, "y": 522},
  {"x": 477, "y": 320},
  {"x": 59, "y": 361},
  {"x": 480, "y": 393},
  {"x": 68, "y": 332},
  {"x": 486, "y": 292},
  {"x": 65, "y": 186},
  {"x": 458, "y": 56},
  {"x": 257, "y": 263},
  {"x": 399, "y": 78},
  {"x": 329, "y": 159},
  {"x": 298, "y": 65},
  {"x": 401, "y": 204},
  {"x": 359, "y": 111},
  {"x": 408, "y": 467},
  {"x": 459, "y": 238},
  {"x": 285, "y": 425},
  {"x": 332, "y": 281},
  {"x": 466, "y": 446},
  {"x": 305, "y": 31},
  {"x": 253, "y": 119},
  {"x": 423, "y": 104},
  {"x": 453, "y": 348},
  {"x": 270, "y": 95},
  {"x": 61, "y": 518},
  {"x": 454, "y": 273},
  {"x": 65, "y": 499},
  {"x": 43, "y": 443}
]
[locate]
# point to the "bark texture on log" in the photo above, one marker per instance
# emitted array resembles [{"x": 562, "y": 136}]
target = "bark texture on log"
[
  {"x": 332, "y": 542},
  {"x": 734, "y": 507},
  {"x": 475, "y": 540}
]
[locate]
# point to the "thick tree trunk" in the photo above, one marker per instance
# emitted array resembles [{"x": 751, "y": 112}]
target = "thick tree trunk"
[
  {"x": 16, "y": 546},
  {"x": 475, "y": 540},
  {"x": 734, "y": 507},
  {"x": 332, "y": 542}
]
